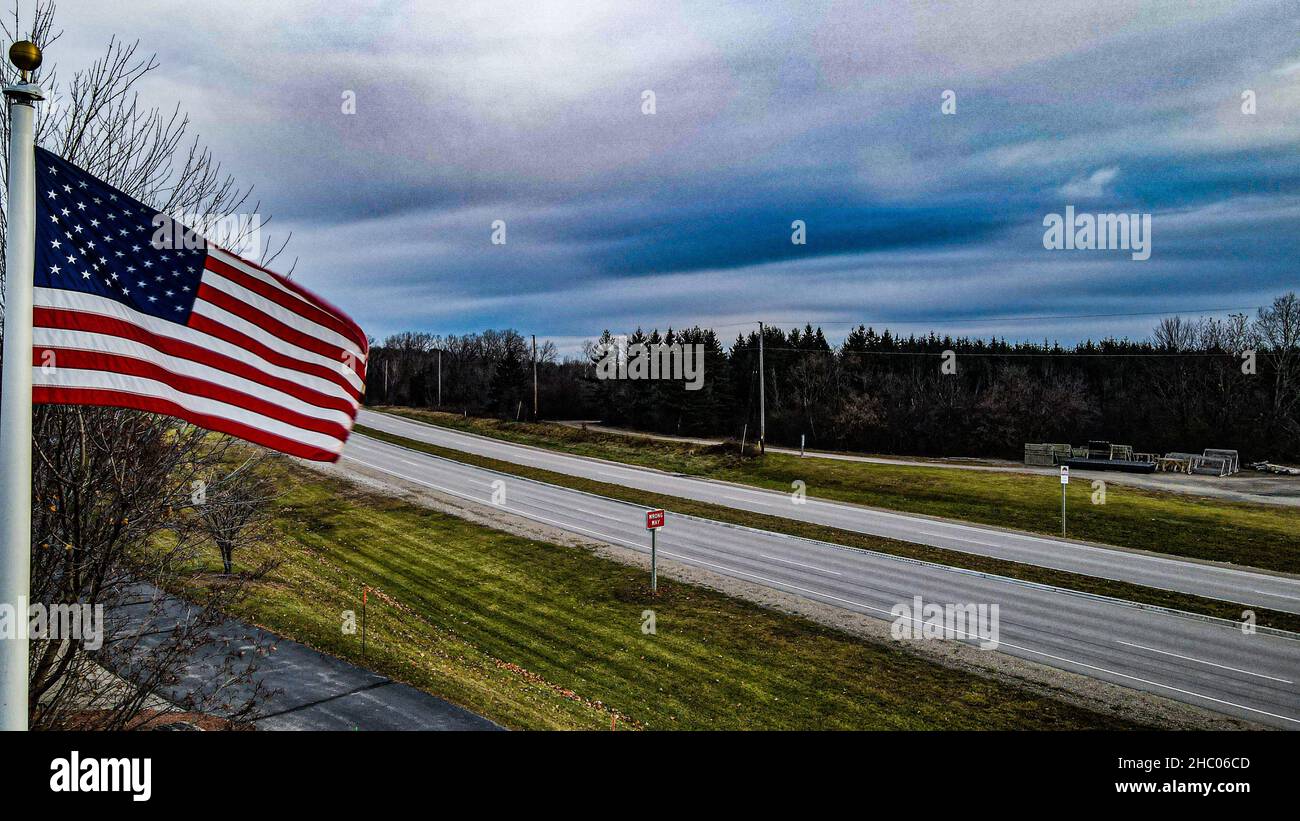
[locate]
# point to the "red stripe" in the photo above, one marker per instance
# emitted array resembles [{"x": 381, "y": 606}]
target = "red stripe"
[
  {"x": 129, "y": 366},
  {"x": 97, "y": 323},
  {"x": 48, "y": 395},
  {"x": 278, "y": 329},
  {"x": 354, "y": 330},
  {"x": 204, "y": 325},
  {"x": 306, "y": 310}
]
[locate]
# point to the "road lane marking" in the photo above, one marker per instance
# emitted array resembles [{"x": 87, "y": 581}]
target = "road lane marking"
[
  {"x": 800, "y": 564},
  {"x": 1278, "y": 595},
  {"x": 749, "y": 501},
  {"x": 1203, "y": 661}
]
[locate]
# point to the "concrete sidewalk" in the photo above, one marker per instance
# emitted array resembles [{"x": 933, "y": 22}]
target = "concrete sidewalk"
[{"x": 311, "y": 690}]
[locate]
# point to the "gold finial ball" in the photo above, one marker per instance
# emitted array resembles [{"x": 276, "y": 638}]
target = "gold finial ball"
[{"x": 26, "y": 55}]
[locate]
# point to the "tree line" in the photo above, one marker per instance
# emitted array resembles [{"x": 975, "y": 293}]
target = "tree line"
[{"x": 1227, "y": 383}]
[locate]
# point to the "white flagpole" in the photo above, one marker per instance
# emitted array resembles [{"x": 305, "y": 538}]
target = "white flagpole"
[{"x": 16, "y": 389}]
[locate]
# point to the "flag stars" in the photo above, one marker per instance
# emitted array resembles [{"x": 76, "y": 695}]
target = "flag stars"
[{"x": 125, "y": 271}]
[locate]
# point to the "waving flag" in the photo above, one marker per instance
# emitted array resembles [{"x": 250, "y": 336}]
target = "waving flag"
[{"x": 195, "y": 333}]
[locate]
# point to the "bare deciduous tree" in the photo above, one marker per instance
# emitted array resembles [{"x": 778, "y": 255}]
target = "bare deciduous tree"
[{"x": 113, "y": 525}]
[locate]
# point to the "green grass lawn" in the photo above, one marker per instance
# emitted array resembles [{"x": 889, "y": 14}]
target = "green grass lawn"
[
  {"x": 536, "y": 635},
  {"x": 1263, "y": 536}
]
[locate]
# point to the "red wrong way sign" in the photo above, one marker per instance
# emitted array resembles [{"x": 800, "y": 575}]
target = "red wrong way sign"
[{"x": 654, "y": 519}]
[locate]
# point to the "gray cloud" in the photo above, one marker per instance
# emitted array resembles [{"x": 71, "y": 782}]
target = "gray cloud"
[{"x": 825, "y": 112}]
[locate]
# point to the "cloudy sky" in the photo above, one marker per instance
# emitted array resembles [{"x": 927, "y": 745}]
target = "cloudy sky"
[{"x": 765, "y": 113}]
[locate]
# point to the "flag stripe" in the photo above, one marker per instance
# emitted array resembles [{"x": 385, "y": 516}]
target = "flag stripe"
[
  {"x": 78, "y": 311},
  {"x": 76, "y": 349},
  {"x": 345, "y": 360},
  {"x": 200, "y": 407},
  {"x": 67, "y": 395},
  {"x": 187, "y": 389},
  {"x": 49, "y": 322},
  {"x": 292, "y": 289},
  {"x": 314, "y": 316},
  {"x": 211, "y": 320}
]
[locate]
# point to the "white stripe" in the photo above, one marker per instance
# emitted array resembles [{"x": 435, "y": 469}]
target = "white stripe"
[
  {"x": 106, "y": 343},
  {"x": 102, "y": 306},
  {"x": 103, "y": 380},
  {"x": 270, "y": 279},
  {"x": 223, "y": 317},
  {"x": 280, "y": 313}
]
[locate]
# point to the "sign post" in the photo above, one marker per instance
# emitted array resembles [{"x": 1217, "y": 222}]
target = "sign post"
[
  {"x": 654, "y": 519},
  {"x": 1065, "y": 480}
]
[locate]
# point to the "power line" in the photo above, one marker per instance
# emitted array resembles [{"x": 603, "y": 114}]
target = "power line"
[
  {"x": 1063, "y": 352},
  {"x": 1023, "y": 318}
]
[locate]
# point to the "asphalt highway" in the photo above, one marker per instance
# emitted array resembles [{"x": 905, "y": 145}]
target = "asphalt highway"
[
  {"x": 1214, "y": 581},
  {"x": 1201, "y": 661}
]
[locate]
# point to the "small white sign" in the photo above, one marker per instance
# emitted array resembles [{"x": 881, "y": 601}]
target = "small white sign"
[{"x": 1065, "y": 474}]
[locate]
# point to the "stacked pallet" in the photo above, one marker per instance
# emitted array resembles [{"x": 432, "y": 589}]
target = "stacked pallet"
[
  {"x": 1046, "y": 454},
  {"x": 1210, "y": 463},
  {"x": 1234, "y": 462}
]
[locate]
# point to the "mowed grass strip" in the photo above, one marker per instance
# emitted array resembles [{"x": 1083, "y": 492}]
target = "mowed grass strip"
[
  {"x": 1263, "y": 536},
  {"x": 953, "y": 558},
  {"x": 537, "y": 635}
]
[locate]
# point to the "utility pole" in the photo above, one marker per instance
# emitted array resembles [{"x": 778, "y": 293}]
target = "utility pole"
[
  {"x": 534, "y": 377},
  {"x": 16, "y": 393},
  {"x": 762, "y": 396},
  {"x": 440, "y": 377}
]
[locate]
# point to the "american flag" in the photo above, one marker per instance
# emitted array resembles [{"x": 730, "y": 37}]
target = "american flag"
[{"x": 196, "y": 333}]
